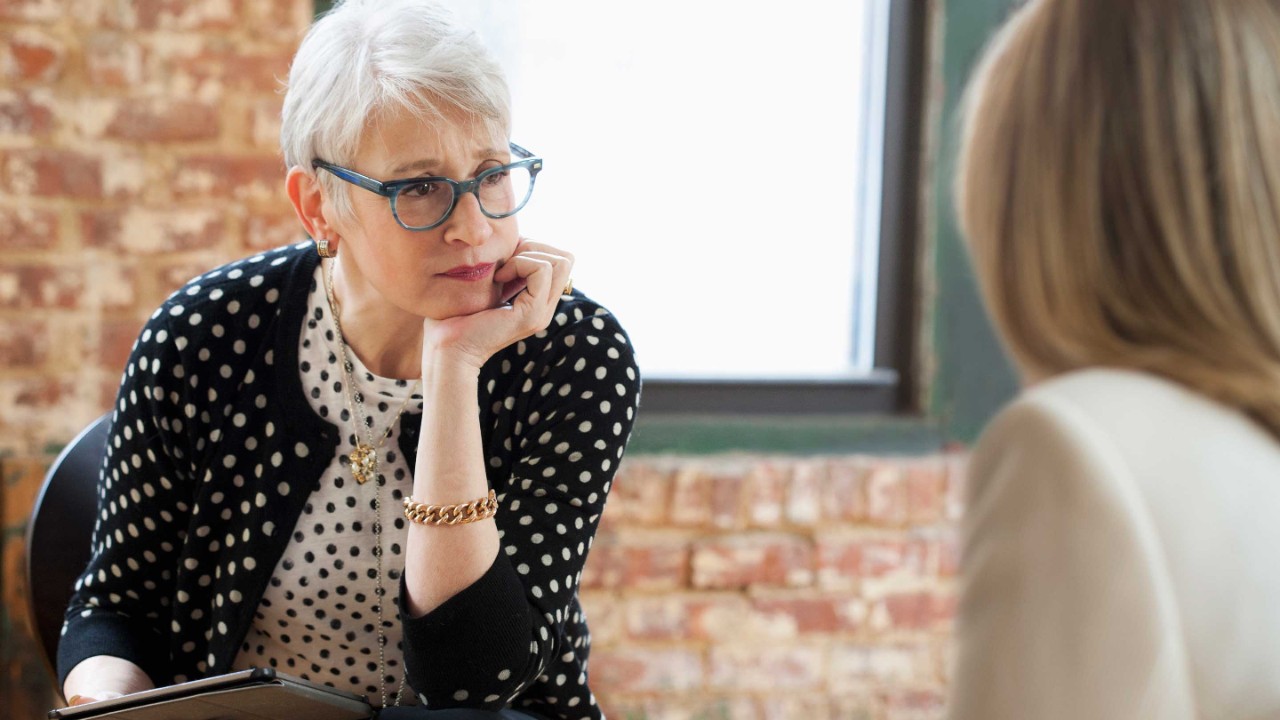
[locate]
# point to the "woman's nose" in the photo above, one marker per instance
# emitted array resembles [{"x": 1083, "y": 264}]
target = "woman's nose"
[{"x": 467, "y": 223}]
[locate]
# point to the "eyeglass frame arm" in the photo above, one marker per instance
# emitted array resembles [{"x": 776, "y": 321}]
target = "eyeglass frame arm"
[{"x": 389, "y": 188}]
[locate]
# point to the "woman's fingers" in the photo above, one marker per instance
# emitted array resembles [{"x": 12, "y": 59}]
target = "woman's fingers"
[
  {"x": 536, "y": 272},
  {"x": 507, "y": 273},
  {"x": 532, "y": 246},
  {"x": 545, "y": 273},
  {"x": 533, "y": 281}
]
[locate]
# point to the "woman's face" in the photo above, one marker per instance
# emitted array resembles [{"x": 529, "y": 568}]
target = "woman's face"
[{"x": 439, "y": 273}]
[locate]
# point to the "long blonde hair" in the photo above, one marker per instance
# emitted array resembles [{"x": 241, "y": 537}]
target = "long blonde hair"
[{"x": 1120, "y": 188}]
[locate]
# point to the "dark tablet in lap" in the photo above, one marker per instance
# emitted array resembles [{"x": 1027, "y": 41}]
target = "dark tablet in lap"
[{"x": 255, "y": 694}]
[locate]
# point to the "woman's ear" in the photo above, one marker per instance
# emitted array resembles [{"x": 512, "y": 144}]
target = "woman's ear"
[{"x": 309, "y": 203}]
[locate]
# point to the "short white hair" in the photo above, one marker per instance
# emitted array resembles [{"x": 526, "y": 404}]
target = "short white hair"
[{"x": 365, "y": 58}]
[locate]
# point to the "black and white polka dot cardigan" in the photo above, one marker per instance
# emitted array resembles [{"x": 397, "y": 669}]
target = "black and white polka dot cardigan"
[{"x": 213, "y": 451}]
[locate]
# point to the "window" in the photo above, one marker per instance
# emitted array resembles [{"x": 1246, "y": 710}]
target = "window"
[{"x": 719, "y": 170}]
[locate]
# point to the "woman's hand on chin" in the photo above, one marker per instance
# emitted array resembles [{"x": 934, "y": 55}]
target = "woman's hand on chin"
[{"x": 533, "y": 281}]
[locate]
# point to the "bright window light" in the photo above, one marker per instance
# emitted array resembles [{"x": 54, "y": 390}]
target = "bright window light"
[{"x": 714, "y": 166}]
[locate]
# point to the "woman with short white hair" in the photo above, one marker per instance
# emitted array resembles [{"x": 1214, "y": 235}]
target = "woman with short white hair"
[
  {"x": 1120, "y": 190},
  {"x": 376, "y": 460}
]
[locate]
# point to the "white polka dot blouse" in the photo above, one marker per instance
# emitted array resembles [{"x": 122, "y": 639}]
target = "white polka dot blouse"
[{"x": 228, "y": 534}]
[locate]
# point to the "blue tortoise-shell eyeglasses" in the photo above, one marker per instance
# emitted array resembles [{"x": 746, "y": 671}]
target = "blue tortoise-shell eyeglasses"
[{"x": 422, "y": 203}]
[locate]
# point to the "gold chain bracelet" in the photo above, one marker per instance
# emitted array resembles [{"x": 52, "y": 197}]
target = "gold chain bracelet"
[{"x": 476, "y": 510}]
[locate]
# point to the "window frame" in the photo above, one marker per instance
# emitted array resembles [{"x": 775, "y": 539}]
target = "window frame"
[
  {"x": 909, "y": 405},
  {"x": 893, "y": 387}
]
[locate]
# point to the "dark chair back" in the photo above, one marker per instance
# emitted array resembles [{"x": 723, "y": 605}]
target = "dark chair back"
[{"x": 58, "y": 533}]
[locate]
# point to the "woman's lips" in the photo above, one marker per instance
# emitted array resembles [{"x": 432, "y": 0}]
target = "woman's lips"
[{"x": 470, "y": 273}]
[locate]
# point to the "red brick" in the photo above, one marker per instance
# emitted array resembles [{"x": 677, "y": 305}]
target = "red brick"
[
  {"x": 718, "y": 618},
  {"x": 51, "y": 173},
  {"x": 24, "y": 343},
  {"x": 176, "y": 273},
  {"x": 141, "y": 231},
  {"x": 30, "y": 55},
  {"x": 844, "y": 495},
  {"x": 31, "y": 10},
  {"x": 620, "y": 560},
  {"x": 166, "y": 15},
  {"x": 750, "y": 667},
  {"x": 113, "y": 60},
  {"x": 264, "y": 231},
  {"x": 647, "y": 670},
  {"x": 886, "y": 494},
  {"x": 760, "y": 559},
  {"x": 605, "y": 613},
  {"x": 690, "y": 497},
  {"x": 116, "y": 342},
  {"x": 881, "y": 666},
  {"x": 731, "y": 617},
  {"x": 666, "y": 706},
  {"x": 949, "y": 553},
  {"x": 709, "y": 494},
  {"x": 766, "y": 492},
  {"x": 26, "y": 113},
  {"x": 34, "y": 286},
  {"x": 262, "y": 123},
  {"x": 230, "y": 67},
  {"x": 861, "y": 703},
  {"x": 842, "y": 562},
  {"x": 926, "y": 488},
  {"x": 957, "y": 473},
  {"x": 913, "y": 704},
  {"x": 114, "y": 286},
  {"x": 28, "y": 229},
  {"x": 245, "y": 177},
  {"x": 727, "y": 507},
  {"x": 641, "y": 493},
  {"x": 726, "y": 617},
  {"x": 661, "y": 617},
  {"x": 805, "y": 494},
  {"x": 28, "y": 415},
  {"x": 804, "y": 706},
  {"x": 155, "y": 120},
  {"x": 282, "y": 21},
  {"x": 812, "y": 615},
  {"x": 920, "y": 610}
]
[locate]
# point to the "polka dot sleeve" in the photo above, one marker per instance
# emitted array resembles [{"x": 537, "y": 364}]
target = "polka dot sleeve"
[
  {"x": 557, "y": 411},
  {"x": 121, "y": 602}
]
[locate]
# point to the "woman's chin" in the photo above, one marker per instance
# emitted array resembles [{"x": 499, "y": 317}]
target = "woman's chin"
[{"x": 461, "y": 306}]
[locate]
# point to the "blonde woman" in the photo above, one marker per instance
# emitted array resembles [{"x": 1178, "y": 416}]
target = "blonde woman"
[{"x": 1120, "y": 188}]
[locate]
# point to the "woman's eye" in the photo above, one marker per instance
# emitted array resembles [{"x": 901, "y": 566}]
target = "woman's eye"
[
  {"x": 421, "y": 190},
  {"x": 496, "y": 178}
]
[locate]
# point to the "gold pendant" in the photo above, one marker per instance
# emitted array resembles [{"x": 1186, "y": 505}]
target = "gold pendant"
[{"x": 364, "y": 463}]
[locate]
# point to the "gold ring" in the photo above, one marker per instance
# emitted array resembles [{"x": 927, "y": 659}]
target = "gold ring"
[
  {"x": 73, "y": 700},
  {"x": 568, "y": 288}
]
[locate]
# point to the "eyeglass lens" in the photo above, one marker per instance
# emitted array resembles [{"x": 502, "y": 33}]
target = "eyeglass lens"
[{"x": 500, "y": 193}]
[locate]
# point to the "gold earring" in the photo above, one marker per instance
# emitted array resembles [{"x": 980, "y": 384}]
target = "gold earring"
[{"x": 323, "y": 250}]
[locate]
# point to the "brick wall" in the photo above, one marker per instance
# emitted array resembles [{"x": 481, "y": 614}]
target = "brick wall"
[
  {"x": 774, "y": 587},
  {"x": 138, "y": 148}
]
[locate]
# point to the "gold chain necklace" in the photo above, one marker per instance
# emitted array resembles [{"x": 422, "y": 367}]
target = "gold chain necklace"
[
  {"x": 364, "y": 458},
  {"x": 364, "y": 467}
]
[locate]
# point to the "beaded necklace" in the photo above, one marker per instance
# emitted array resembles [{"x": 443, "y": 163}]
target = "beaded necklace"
[{"x": 364, "y": 467}]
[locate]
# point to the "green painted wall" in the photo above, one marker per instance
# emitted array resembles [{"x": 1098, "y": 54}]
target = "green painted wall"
[{"x": 973, "y": 378}]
